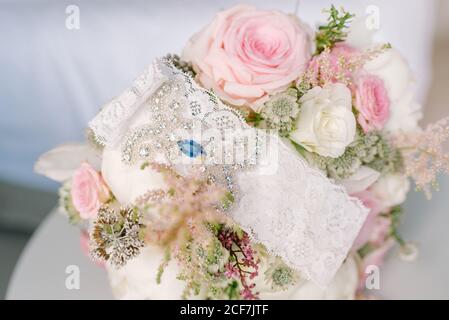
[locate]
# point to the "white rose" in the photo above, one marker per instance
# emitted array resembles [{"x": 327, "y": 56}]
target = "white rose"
[
  {"x": 399, "y": 82},
  {"x": 391, "y": 189},
  {"x": 326, "y": 124},
  {"x": 127, "y": 182}
]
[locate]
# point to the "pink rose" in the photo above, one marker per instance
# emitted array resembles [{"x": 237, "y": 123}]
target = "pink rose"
[
  {"x": 88, "y": 191},
  {"x": 245, "y": 54},
  {"x": 372, "y": 102},
  {"x": 373, "y": 204}
]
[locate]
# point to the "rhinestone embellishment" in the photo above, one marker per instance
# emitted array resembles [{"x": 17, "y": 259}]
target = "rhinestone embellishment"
[
  {"x": 191, "y": 148},
  {"x": 176, "y": 111}
]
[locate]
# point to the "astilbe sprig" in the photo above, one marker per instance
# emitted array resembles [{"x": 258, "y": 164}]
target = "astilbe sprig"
[
  {"x": 424, "y": 154},
  {"x": 184, "y": 208},
  {"x": 331, "y": 66},
  {"x": 185, "y": 220}
]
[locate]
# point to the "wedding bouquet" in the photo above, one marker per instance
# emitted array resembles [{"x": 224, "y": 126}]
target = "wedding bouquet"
[{"x": 267, "y": 161}]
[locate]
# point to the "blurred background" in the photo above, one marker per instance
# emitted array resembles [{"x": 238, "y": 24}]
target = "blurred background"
[{"x": 55, "y": 74}]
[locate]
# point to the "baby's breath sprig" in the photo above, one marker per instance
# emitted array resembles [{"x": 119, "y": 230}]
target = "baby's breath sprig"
[{"x": 335, "y": 30}]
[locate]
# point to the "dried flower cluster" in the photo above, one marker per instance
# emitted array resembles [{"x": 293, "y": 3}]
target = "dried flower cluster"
[{"x": 116, "y": 236}]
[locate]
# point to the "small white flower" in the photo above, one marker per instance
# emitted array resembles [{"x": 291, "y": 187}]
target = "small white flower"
[
  {"x": 326, "y": 124},
  {"x": 280, "y": 110},
  {"x": 409, "y": 252},
  {"x": 391, "y": 189}
]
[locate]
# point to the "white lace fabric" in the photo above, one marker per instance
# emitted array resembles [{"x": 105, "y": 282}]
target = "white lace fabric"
[
  {"x": 299, "y": 215},
  {"x": 288, "y": 206}
]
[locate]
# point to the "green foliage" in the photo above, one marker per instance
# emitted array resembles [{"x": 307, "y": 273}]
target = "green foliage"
[
  {"x": 334, "y": 31},
  {"x": 254, "y": 118},
  {"x": 160, "y": 270},
  {"x": 66, "y": 204},
  {"x": 395, "y": 216},
  {"x": 228, "y": 200},
  {"x": 369, "y": 149}
]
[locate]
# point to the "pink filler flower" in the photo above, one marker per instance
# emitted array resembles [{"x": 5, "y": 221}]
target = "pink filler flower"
[{"x": 326, "y": 66}]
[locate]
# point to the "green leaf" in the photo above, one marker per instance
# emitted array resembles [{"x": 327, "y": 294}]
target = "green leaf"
[
  {"x": 255, "y": 118},
  {"x": 334, "y": 31},
  {"x": 299, "y": 148}
]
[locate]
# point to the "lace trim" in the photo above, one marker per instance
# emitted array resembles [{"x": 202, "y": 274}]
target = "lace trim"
[{"x": 307, "y": 220}]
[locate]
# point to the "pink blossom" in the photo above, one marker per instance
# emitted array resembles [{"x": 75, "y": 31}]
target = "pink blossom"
[
  {"x": 248, "y": 294},
  {"x": 231, "y": 271},
  {"x": 374, "y": 205},
  {"x": 372, "y": 102},
  {"x": 245, "y": 53},
  {"x": 89, "y": 191}
]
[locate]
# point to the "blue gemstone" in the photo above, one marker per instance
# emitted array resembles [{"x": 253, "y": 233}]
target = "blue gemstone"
[{"x": 190, "y": 148}]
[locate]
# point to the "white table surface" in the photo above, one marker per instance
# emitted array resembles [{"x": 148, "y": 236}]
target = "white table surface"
[{"x": 40, "y": 272}]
